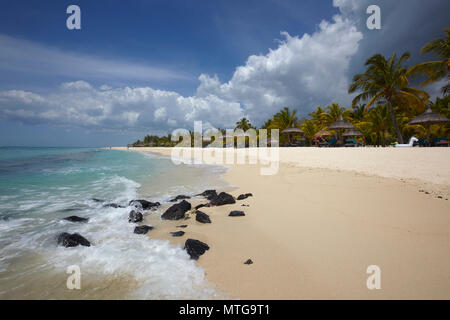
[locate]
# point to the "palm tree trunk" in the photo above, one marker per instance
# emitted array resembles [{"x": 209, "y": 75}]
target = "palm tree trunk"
[
  {"x": 394, "y": 122},
  {"x": 384, "y": 140}
]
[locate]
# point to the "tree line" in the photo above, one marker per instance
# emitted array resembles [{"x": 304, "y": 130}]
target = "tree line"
[{"x": 384, "y": 104}]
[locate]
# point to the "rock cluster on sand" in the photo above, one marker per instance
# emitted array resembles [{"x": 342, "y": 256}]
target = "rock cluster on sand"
[
  {"x": 72, "y": 240},
  {"x": 177, "y": 211},
  {"x": 208, "y": 194},
  {"x": 202, "y": 217},
  {"x": 177, "y": 233},
  {"x": 146, "y": 205},
  {"x": 142, "y": 229},
  {"x": 236, "y": 214},
  {"x": 244, "y": 196},
  {"x": 112, "y": 205},
  {"x": 222, "y": 199},
  {"x": 76, "y": 219},
  {"x": 180, "y": 197},
  {"x": 202, "y": 205},
  {"x": 135, "y": 216},
  {"x": 195, "y": 248}
]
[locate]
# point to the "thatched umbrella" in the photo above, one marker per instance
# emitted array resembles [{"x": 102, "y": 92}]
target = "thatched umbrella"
[
  {"x": 323, "y": 133},
  {"x": 341, "y": 124},
  {"x": 292, "y": 130},
  {"x": 427, "y": 119},
  {"x": 352, "y": 133}
]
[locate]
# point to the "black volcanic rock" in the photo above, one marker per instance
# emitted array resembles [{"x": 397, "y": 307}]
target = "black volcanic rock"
[
  {"x": 146, "y": 205},
  {"x": 112, "y": 205},
  {"x": 72, "y": 240},
  {"x": 222, "y": 199},
  {"x": 180, "y": 197},
  {"x": 236, "y": 214},
  {"x": 202, "y": 217},
  {"x": 142, "y": 229},
  {"x": 177, "y": 211},
  {"x": 177, "y": 234},
  {"x": 182, "y": 226},
  {"x": 249, "y": 261},
  {"x": 202, "y": 205},
  {"x": 135, "y": 216},
  {"x": 244, "y": 196},
  {"x": 208, "y": 194},
  {"x": 76, "y": 219},
  {"x": 195, "y": 248}
]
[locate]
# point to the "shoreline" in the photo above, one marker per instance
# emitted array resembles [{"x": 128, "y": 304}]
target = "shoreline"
[{"x": 312, "y": 232}]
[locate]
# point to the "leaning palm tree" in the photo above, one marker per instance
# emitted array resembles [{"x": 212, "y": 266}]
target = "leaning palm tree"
[
  {"x": 435, "y": 70},
  {"x": 387, "y": 80}
]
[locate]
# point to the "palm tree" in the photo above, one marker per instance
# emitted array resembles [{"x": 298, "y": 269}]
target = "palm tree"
[
  {"x": 284, "y": 119},
  {"x": 435, "y": 70},
  {"x": 387, "y": 80},
  {"x": 310, "y": 129},
  {"x": 379, "y": 122},
  {"x": 267, "y": 124},
  {"x": 357, "y": 113},
  {"x": 243, "y": 124},
  {"x": 318, "y": 117}
]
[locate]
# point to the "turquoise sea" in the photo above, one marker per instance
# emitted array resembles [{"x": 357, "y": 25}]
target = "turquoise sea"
[{"x": 41, "y": 186}]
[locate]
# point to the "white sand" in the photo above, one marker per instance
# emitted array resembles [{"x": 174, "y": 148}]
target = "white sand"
[{"x": 314, "y": 227}]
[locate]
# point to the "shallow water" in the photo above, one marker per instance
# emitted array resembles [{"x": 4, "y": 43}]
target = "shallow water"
[{"x": 40, "y": 186}]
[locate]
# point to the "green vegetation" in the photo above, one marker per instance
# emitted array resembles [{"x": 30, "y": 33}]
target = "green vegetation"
[{"x": 383, "y": 106}]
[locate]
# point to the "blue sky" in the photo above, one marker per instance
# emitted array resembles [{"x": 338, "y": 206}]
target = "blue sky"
[{"x": 141, "y": 67}]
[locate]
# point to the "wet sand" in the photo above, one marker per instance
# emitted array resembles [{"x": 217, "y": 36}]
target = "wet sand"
[{"x": 313, "y": 228}]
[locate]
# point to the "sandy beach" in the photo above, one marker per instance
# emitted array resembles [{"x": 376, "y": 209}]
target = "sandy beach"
[{"x": 313, "y": 228}]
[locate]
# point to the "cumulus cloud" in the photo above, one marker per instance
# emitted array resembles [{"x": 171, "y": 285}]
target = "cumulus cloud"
[
  {"x": 138, "y": 109},
  {"x": 302, "y": 72}
]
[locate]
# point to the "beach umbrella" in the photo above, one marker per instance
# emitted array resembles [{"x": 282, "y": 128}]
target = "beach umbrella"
[
  {"x": 341, "y": 124},
  {"x": 292, "y": 130},
  {"x": 323, "y": 133},
  {"x": 427, "y": 119},
  {"x": 352, "y": 133}
]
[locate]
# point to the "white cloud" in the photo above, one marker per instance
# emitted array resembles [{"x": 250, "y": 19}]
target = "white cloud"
[{"x": 302, "y": 72}]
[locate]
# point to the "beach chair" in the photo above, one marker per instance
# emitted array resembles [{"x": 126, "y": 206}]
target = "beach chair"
[
  {"x": 440, "y": 142},
  {"x": 331, "y": 143},
  {"x": 351, "y": 143},
  {"x": 410, "y": 144},
  {"x": 421, "y": 143}
]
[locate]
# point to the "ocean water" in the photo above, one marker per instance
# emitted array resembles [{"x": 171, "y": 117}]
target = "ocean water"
[{"x": 40, "y": 186}]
